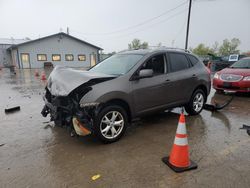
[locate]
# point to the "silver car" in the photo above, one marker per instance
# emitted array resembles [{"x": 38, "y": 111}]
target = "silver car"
[{"x": 127, "y": 85}]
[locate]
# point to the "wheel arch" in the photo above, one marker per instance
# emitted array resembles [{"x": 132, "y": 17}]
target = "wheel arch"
[{"x": 119, "y": 102}]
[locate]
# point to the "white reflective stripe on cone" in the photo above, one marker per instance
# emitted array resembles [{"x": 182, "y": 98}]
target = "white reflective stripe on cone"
[
  {"x": 181, "y": 141},
  {"x": 181, "y": 129}
]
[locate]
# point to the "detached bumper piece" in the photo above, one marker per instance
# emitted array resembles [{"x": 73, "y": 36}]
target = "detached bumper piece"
[
  {"x": 80, "y": 128},
  {"x": 216, "y": 106}
]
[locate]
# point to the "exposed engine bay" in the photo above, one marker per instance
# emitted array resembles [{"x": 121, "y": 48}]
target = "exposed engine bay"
[{"x": 64, "y": 90}]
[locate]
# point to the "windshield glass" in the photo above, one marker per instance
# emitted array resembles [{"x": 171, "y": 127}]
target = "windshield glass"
[
  {"x": 242, "y": 64},
  {"x": 117, "y": 64}
]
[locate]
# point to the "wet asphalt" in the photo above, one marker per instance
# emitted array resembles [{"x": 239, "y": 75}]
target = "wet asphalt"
[{"x": 33, "y": 154}]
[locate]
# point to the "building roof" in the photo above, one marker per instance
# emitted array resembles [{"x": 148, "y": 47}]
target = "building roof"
[
  {"x": 57, "y": 34},
  {"x": 12, "y": 41}
]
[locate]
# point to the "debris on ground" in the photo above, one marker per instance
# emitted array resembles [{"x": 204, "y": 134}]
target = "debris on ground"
[
  {"x": 2, "y": 145},
  {"x": 13, "y": 109},
  {"x": 246, "y": 127},
  {"x": 216, "y": 106},
  {"x": 73, "y": 133},
  {"x": 45, "y": 122},
  {"x": 48, "y": 126},
  {"x": 95, "y": 177},
  {"x": 28, "y": 96}
]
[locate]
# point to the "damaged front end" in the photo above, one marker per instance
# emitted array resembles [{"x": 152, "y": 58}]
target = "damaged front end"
[
  {"x": 62, "y": 102},
  {"x": 66, "y": 111}
]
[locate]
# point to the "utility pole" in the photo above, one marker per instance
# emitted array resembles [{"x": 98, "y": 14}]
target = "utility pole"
[{"x": 187, "y": 33}]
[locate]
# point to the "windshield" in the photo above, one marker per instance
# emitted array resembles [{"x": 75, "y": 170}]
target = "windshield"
[
  {"x": 242, "y": 64},
  {"x": 117, "y": 64}
]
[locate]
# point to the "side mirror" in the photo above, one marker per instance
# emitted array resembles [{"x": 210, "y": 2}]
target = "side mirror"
[{"x": 146, "y": 73}]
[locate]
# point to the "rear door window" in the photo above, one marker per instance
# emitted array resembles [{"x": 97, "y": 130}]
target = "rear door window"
[{"x": 178, "y": 62}]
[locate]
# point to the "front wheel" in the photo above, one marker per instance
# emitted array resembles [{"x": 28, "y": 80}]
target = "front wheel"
[
  {"x": 196, "y": 102},
  {"x": 111, "y": 123}
]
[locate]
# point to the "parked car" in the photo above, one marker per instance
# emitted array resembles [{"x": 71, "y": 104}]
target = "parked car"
[
  {"x": 235, "y": 78},
  {"x": 125, "y": 86},
  {"x": 219, "y": 63}
]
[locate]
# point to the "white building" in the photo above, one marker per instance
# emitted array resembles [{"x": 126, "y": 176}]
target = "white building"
[
  {"x": 4, "y": 53},
  {"x": 57, "y": 49}
]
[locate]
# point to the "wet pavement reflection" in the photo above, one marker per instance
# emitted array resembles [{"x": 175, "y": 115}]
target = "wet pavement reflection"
[{"x": 36, "y": 155}]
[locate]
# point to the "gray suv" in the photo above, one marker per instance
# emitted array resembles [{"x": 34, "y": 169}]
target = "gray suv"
[{"x": 125, "y": 86}]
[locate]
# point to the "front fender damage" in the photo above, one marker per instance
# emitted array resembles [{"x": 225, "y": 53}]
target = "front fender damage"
[{"x": 66, "y": 111}]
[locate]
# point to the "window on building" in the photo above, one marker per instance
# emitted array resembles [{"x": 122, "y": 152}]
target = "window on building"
[
  {"x": 56, "y": 57},
  {"x": 69, "y": 57},
  {"x": 81, "y": 57},
  {"x": 41, "y": 57},
  {"x": 25, "y": 58},
  {"x": 178, "y": 62}
]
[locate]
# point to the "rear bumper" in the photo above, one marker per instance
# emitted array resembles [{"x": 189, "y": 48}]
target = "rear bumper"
[{"x": 241, "y": 86}]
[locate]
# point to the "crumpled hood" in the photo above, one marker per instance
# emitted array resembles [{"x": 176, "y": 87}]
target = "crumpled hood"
[{"x": 63, "y": 80}]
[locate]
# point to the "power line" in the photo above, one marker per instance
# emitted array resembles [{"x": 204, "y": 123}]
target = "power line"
[
  {"x": 150, "y": 26},
  {"x": 179, "y": 32},
  {"x": 136, "y": 25}
]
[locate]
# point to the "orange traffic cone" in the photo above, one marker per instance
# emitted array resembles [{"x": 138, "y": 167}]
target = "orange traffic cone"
[
  {"x": 36, "y": 73},
  {"x": 43, "y": 76},
  {"x": 179, "y": 157}
]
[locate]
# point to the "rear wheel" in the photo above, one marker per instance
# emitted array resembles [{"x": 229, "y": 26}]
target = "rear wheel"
[
  {"x": 111, "y": 123},
  {"x": 196, "y": 102}
]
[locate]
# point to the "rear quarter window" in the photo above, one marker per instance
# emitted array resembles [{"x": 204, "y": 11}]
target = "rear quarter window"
[
  {"x": 178, "y": 62},
  {"x": 193, "y": 59}
]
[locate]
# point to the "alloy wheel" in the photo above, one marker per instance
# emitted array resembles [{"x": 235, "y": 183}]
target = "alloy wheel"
[
  {"x": 112, "y": 124},
  {"x": 198, "y": 102}
]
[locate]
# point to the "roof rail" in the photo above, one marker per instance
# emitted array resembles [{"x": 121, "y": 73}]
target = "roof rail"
[
  {"x": 172, "y": 48},
  {"x": 158, "y": 48},
  {"x": 127, "y": 50}
]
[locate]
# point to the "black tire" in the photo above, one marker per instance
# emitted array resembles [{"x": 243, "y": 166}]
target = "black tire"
[
  {"x": 98, "y": 124},
  {"x": 190, "y": 108}
]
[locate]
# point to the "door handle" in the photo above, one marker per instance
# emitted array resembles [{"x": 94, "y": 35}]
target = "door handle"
[
  {"x": 167, "y": 80},
  {"x": 194, "y": 75}
]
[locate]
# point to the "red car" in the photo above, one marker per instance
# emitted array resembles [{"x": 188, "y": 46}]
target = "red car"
[{"x": 235, "y": 78}]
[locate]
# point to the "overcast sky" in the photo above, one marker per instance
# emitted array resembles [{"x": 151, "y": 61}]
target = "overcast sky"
[{"x": 112, "y": 24}]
